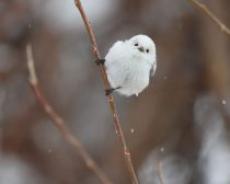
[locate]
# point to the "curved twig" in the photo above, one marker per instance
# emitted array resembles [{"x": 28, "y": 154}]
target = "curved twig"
[
  {"x": 213, "y": 17},
  {"x": 59, "y": 122},
  {"x": 117, "y": 124}
]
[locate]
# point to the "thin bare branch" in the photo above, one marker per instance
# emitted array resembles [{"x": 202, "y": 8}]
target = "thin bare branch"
[
  {"x": 118, "y": 128},
  {"x": 159, "y": 170},
  {"x": 213, "y": 17},
  {"x": 58, "y": 121}
]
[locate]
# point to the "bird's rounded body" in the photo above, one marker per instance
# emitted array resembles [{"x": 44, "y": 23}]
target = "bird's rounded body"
[{"x": 128, "y": 68}]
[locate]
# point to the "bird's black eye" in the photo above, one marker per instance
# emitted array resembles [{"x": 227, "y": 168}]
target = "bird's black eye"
[
  {"x": 147, "y": 50},
  {"x": 136, "y": 44}
]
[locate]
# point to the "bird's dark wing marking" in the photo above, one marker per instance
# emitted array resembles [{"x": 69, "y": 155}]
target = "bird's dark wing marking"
[{"x": 152, "y": 70}]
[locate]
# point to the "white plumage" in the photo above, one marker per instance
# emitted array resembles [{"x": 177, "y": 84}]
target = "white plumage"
[{"x": 129, "y": 63}]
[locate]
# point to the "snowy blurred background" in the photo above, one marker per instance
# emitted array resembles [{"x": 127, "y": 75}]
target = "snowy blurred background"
[{"x": 180, "y": 122}]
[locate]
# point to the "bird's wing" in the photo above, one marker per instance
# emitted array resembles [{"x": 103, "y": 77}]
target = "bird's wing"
[{"x": 114, "y": 52}]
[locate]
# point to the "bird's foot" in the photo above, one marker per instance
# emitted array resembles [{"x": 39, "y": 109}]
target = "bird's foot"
[
  {"x": 100, "y": 61},
  {"x": 109, "y": 91}
]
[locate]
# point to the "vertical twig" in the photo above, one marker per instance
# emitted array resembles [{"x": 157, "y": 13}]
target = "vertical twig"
[
  {"x": 117, "y": 124},
  {"x": 213, "y": 17},
  {"x": 59, "y": 122},
  {"x": 159, "y": 170}
]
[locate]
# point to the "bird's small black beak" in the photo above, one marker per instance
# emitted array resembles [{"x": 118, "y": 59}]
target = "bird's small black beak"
[{"x": 141, "y": 49}]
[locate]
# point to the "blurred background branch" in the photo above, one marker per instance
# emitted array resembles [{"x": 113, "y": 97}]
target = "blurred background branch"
[
  {"x": 160, "y": 172},
  {"x": 58, "y": 121},
  {"x": 213, "y": 17}
]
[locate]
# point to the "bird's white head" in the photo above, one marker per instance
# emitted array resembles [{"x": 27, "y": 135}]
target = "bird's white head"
[{"x": 144, "y": 45}]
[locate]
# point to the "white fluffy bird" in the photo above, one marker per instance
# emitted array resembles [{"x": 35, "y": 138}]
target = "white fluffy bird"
[{"x": 129, "y": 65}]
